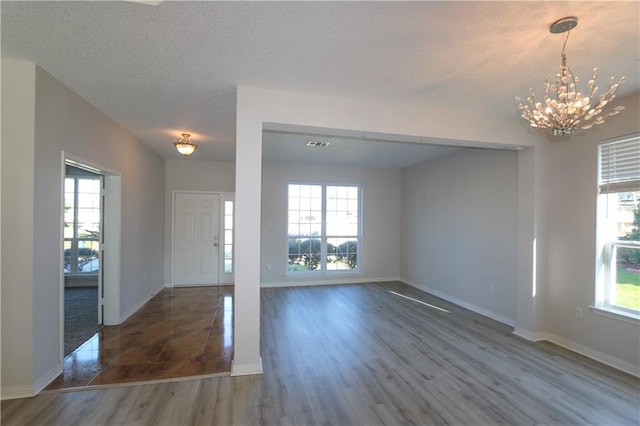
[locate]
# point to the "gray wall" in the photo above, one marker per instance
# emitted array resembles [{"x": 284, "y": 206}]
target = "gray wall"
[
  {"x": 571, "y": 195},
  {"x": 65, "y": 122},
  {"x": 459, "y": 236},
  {"x": 18, "y": 112},
  {"x": 381, "y": 220}
]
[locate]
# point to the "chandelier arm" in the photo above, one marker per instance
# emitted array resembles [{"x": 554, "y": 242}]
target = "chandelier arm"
[{"x": 573, "y": 78}]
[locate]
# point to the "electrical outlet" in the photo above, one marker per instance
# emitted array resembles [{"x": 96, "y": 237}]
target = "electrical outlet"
[{"x": 578, "y": 312}]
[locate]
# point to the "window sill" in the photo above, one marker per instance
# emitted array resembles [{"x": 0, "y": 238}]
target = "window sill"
[
  {"x": 321, "y": 273},
  {"x": 620, "y": 315}
]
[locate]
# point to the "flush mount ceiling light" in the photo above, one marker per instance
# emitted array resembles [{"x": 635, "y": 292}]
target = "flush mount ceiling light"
[
  {"x": 184, "y": 145},
  {"x": 564, "y": 109}
]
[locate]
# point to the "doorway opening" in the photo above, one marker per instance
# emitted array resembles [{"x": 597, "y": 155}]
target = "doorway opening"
[{"x": 83, "y": 295}]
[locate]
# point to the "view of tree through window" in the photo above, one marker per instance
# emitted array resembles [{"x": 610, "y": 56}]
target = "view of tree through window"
[
  {"x": 81, "y": 224},
  {"x": 323, "y": 227},
  {"x": 619, "y": 224},
  {"x": 624, "y": 218}
]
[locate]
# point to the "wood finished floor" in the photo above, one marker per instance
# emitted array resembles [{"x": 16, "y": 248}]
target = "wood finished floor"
[
  {"x": 359, "y": 355},
  {"x": 179, "y": 332}
]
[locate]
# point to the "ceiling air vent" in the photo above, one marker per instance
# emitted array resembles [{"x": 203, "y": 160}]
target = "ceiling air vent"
[
  {"x": 146, "y": 2},
  {"x": 318, "y": 144}
]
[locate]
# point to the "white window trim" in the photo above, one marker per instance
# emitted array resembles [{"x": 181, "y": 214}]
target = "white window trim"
[
  {"x": 224, "y": 242},
  {"x": 602, "y": 305},
  {"x": 617, "y": 314}
]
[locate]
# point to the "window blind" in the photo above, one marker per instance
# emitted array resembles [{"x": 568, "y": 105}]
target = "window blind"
[{"x": 619, "y": 167}]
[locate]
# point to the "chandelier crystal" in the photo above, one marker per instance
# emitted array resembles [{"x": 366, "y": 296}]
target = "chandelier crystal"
[
  {"x": 563, "y": 108},
  {"x": 184, "y": 145}
]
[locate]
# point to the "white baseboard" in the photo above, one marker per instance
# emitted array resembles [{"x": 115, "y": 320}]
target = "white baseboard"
[
  {"x": 15, "y": 392},
  {"x": 528, "y": 335},
  {"x": 477, "y": 309},
  {"x": 48, "y": 377},
  {"x": 27, "y": 391},
  {"x": 601, "y": 357},
  {"x": 332, "y": 281},
  {"x": 246, "y": 369},
  {"x": 139, "y": 305}
]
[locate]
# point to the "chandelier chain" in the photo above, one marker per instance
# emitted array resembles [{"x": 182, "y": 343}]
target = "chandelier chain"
[{"x": 566, "y": 38}]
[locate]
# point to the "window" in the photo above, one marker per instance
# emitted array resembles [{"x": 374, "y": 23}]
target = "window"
[
  {"x": 82, "y": 197},
  {"x": 323, "y": 227},
  {"x": 228, "y": 237},
  {"x": 618, "y": 287}
]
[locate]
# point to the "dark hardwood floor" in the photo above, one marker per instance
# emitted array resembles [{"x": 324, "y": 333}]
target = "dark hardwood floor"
[
  {"x": 360, "y": 355},
  {"x": 180, "y": 332}
]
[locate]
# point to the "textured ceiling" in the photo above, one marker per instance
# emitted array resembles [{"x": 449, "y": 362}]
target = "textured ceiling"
[{"x": 159, "y": 71}]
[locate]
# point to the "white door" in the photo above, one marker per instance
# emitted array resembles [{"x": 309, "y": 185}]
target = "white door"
[{"x": 196, "y": 238}]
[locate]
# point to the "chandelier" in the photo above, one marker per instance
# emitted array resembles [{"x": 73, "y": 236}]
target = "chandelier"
[
  {"x": 184, "y": 145},
  {"x": 564, "y": 109}
]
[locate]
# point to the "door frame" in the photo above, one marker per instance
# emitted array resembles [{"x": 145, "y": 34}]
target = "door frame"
[
  {"x": 223, "y": 196},
  {"x": 110, "y": 245}
]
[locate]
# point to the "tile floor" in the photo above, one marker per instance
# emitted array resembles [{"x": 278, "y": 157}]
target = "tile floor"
[{"x": 180, "y": 332}]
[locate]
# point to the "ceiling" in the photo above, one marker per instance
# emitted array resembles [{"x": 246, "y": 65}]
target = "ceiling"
[
  {"x": 292, "y": 147},
  {"x": 162, "y": 70}
]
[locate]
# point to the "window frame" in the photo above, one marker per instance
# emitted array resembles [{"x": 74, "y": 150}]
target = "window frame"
[
  {"x": 76, "y": 240},
  {"x": 322, "y": 270},
  {"x": 228, "y": 228},
  {"x": 606, "y": 245}
]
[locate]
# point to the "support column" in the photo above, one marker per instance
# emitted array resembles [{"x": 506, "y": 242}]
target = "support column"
[
  {"x": 246, "y": 309},
  {"x": 531, "y": 253}
]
